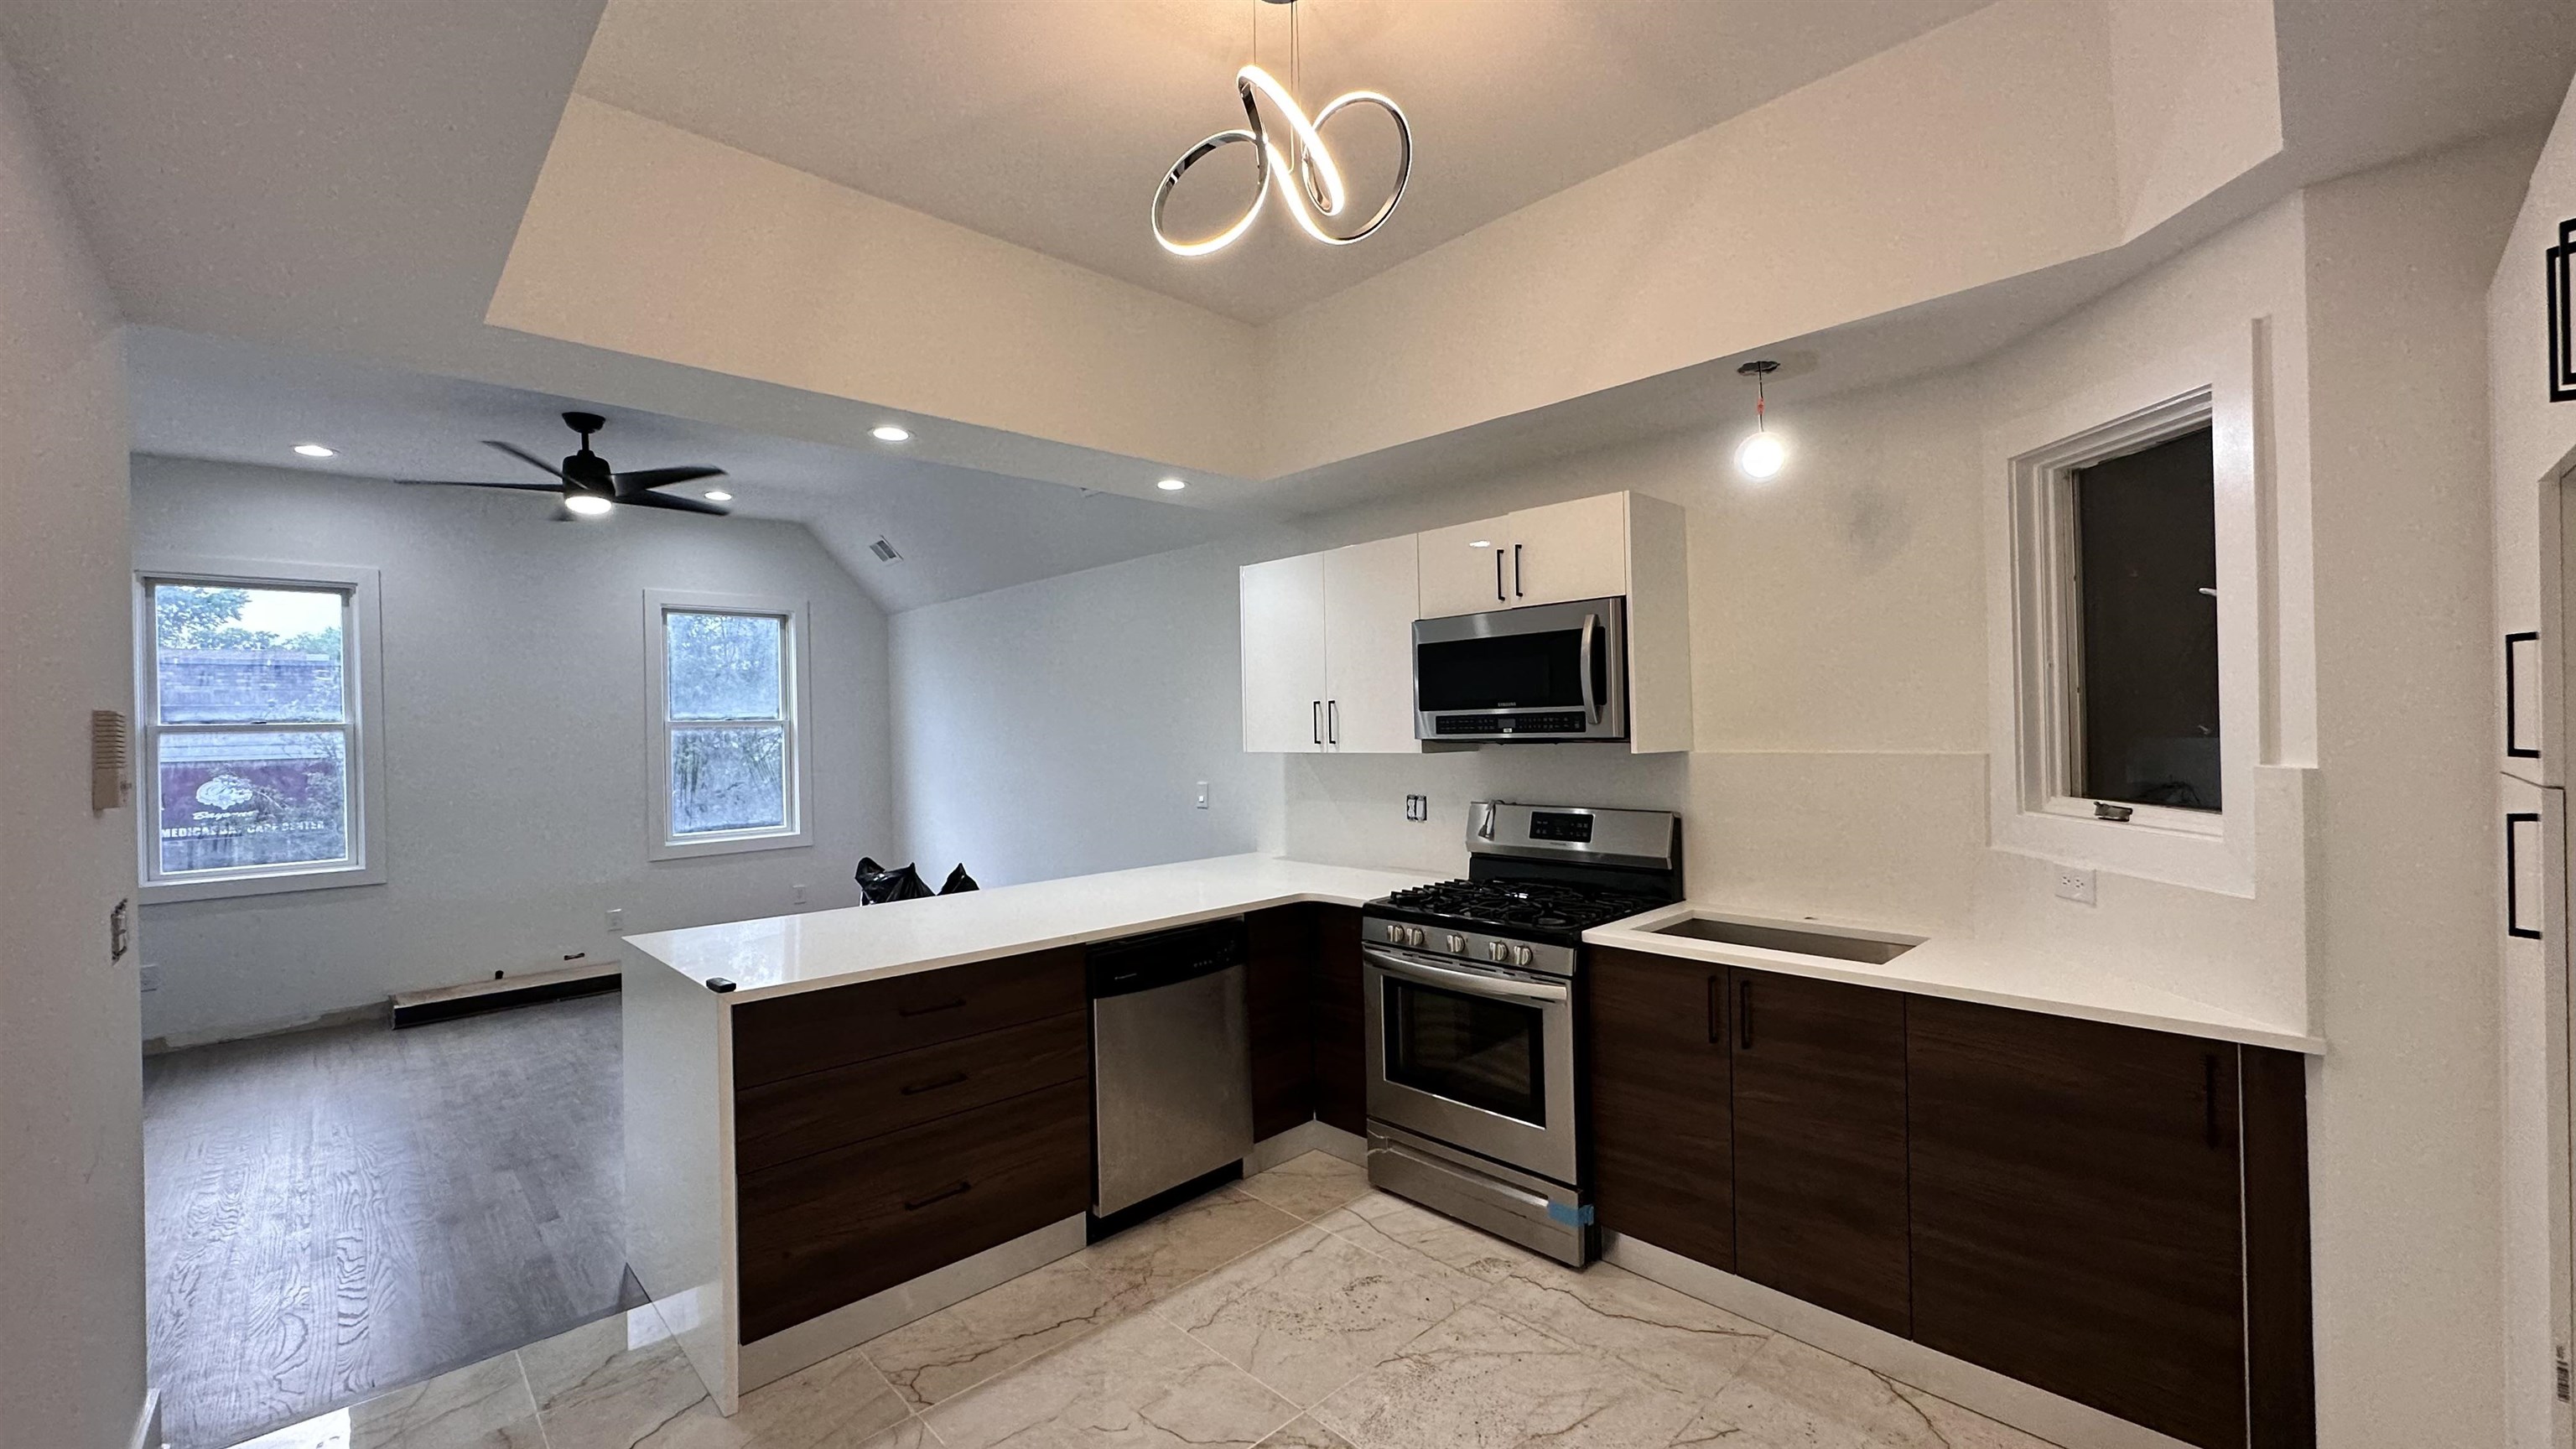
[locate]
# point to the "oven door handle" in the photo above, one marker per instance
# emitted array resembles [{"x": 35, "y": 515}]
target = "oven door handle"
[{"x": 1476, "y": 982}]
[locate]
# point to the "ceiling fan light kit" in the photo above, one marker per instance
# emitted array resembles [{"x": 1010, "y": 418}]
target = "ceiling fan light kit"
[
  {"x": 589, "y": 488},
  {"x": 1307, "y": 178}
]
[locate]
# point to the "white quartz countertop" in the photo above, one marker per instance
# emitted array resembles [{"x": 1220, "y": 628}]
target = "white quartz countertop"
[
  {"x": 782, "y": 954},
  {"x": 1964, "y": 968}
]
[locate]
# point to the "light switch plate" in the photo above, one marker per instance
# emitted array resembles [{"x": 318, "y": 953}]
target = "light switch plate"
[
  {"x": 1202, "y": 801},
  {"x": 796, "y": 895},
  {"x": 150, "y": 972},
  {"x": 617, "y": 920},
  {"x": 2075, "y": 883}
]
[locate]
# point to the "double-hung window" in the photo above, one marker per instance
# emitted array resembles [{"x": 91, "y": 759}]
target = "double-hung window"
[
  {"x": 255, "y": 695},
  {"x": 728, "y": 695}
]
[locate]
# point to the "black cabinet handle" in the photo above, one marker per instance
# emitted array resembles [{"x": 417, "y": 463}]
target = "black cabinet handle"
[
  {"x": 927, "y": 1010},
  {"x": 2513, "y": 823},
  {"x": 1517, "y": 590},
  {"x": 1332, "y": 721},
  {"x": 2513, "y": 745},
  {"x": 1716, "y": 1014},
  {"x": 933, "y": 1085},
  {"x": 1744, "y": 1014},
  {"x": 2209, "y": 1094},
  {"x": 1319, "y": 721},
  {"x": 1499, "y": 596},
  {"x": 951, "y": 1190}
]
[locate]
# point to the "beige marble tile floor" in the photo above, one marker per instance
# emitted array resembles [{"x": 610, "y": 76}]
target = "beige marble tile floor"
[{"x": 1296, "y": 1310}]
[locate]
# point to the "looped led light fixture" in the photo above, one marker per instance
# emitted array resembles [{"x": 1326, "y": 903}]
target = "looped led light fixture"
[{"x": 1310, "y": 187}]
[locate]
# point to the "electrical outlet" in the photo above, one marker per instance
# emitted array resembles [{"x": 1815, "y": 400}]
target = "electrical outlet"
[
  {"x": 120, "y": 931},
  {"x": 1417, "y": 807},
  {"x": 796, "y": 895},
  {"x": 616, "y": 920},
  {"x": 1202, "y": 802},
  {"x": 2075, "y": 883},
  {"x": 150, "y": 973}
]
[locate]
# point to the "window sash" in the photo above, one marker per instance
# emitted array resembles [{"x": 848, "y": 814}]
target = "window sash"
[
  {"x": 791, "y": 762},
  {"x": 354, "y": 823}
]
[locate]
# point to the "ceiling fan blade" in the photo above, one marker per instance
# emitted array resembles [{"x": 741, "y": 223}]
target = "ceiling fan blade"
[
  {"x": 642, "y": 479},
  {"x": 665, "y": 500},
  {"x": 524, "y": 456},
  {"x": 465, "y": 483}
]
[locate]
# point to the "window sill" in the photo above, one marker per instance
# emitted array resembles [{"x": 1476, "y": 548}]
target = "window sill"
[
  {"x": 728, "y": 845},
  {"x": 170, "y": 892}
]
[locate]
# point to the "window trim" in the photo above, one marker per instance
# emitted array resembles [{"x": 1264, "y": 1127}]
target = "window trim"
[
  {"x": 2213, "y": 382},
  {"x": 796, "y": 697},
  {"x": 362, "y": 642}
]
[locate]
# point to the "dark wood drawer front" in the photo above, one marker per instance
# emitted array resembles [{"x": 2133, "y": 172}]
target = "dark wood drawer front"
[
  {"x": 2076, "y": 1215},
  {"x": 780, "y": 1121},
  {"x": 1282, "y": 988},
  {"x": 1663, "y": 1154},
  {"x": 1341, "y": 1024},
  {"x": 1820, "y": 1194},
  {"x": 793, "y": 1035},
  {"x": 832, "y": 1228}
]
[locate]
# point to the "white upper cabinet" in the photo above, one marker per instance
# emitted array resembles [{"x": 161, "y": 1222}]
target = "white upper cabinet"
[
  {"x": 1369, "y": 609},
  {"x": 1567, "y": 551},
  {"x": 1464, "y": 568},
  {"x": 1328, "y": 651},
  {"x": 1283, "y": 655}
]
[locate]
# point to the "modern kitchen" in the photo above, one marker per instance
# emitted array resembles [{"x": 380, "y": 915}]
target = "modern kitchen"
[{"x": 1293, "y": 724}]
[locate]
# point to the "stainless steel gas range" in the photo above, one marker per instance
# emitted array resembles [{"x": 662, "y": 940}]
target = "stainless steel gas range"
[{"x": 1474, "y": 989}]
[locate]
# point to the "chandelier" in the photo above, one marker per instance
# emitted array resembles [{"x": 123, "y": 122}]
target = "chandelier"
[{"x": 1308, "y": 181}]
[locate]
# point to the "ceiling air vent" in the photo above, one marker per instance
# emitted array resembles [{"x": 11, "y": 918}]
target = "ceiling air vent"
[{"x": 884, "y": 551}]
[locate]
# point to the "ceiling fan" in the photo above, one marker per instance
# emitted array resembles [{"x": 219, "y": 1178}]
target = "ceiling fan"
[{"x": 588, "y": 488}]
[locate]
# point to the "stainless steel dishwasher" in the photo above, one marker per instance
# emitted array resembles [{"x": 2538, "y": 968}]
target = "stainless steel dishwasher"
[{"x": 1171, "y": 1060}]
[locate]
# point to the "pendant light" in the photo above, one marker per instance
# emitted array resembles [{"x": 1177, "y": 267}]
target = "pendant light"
[
  {"x": 1308, "y": 180},
  {"x": 1760, "y": 455}
]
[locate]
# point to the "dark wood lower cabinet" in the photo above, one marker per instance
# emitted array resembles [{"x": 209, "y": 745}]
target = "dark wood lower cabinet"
[
  {"x": 1663, "y": 1152},
  {"x": 1341, "y": 1025},
  {"x": 1281, "y": 982},
  {"x": 2077, "y": 1215},
  {"x": 777, "y": 1122},
  {"x": 832, "y": 1228},
  {"x": 1820, "y": 1159}
]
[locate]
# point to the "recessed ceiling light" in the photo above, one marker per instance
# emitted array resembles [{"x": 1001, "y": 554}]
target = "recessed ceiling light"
[
  {"x": 588, "y": 505},
  {"x": 1482, "y": 543},
  {"x": 313, "y": 450},
  {"x": 718, "y": 495},
  {"x": 1171, "y": 485},
  {"x": 891, "y": 434}
]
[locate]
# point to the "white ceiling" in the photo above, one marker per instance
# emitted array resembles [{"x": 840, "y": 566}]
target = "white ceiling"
[
  {"x": 1047, "y": 122},
  {"x": 960, "y": 531}
]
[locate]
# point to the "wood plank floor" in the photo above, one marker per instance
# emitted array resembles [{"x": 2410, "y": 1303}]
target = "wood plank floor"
[{"x": 333, "y": 1213}]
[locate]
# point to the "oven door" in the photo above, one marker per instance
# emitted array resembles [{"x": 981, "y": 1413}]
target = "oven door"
[
  {"x": 1547, "y": 672},
  {"x": 1477, "y": 1058}
]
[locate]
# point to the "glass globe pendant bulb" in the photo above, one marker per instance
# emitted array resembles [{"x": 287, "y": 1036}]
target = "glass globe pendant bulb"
[{"x": 1761, "y": 455}]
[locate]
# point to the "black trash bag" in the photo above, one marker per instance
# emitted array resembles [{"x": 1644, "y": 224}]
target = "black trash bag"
[
  {"x": 958, "y": 882},
  {"x": 877, "y": 885}
]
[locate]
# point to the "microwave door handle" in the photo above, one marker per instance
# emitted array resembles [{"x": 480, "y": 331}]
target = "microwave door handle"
[{"x": 1583, "y": 666}]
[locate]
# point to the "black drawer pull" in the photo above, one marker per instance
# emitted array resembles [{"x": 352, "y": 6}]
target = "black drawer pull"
[
  {"x": 951, "y": 1190},
  {"x": 2209, "y": 1095},
  {"x": 2513, "y": 902},
  {"x": 927, "y": 1010},
  {"x": 2513, "y": 745},
  {"x": 917, "y": 1088},
  {"x": 1744, "y": 1014},
  {"x": 1716, "y": 1013}
]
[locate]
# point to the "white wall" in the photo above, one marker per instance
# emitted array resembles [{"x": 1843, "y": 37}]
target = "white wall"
[
  {"x": 2528, "y": 438},
  {"x": 71, "y": 1196},
  {"x": 1060, "y": 727},
  {"x": 514, "y": 735}
]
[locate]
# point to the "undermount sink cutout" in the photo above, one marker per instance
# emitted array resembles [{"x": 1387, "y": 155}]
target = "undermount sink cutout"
[{"x": 1877, "y": 951}]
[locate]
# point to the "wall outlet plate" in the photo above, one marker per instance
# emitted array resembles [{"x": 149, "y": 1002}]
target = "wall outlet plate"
[
  {"x": 150, "y": 974},
  {"x": 796, "y": 895},
  {"x": 1417, "y": 807},
  {"x": 616, "y": 919},
  {"x": 1202, "y": 796},
  {"x": 2075, "y": 883}
]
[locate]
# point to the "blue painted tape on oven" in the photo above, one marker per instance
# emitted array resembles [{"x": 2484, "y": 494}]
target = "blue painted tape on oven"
[{"x": 1572, "y": 1217}]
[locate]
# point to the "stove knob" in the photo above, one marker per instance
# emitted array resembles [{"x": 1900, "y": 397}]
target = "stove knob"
[
  {"x": 1457, "y": 944},
  {"x": 1496, "y": 951},
  {"x": 1520, "y": 955},
  {"x": 1413, "y": 935}
]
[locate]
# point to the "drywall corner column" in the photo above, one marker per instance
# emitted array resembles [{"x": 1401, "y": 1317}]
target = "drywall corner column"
[{"x": 71, "y": 1149}]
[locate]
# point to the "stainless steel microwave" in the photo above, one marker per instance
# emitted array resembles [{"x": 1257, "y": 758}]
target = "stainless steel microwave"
[{"x": 1545, "y": 672}]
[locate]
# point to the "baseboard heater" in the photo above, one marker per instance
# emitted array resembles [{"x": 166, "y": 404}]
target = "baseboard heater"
[{"x": 446, "y": 1003}]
